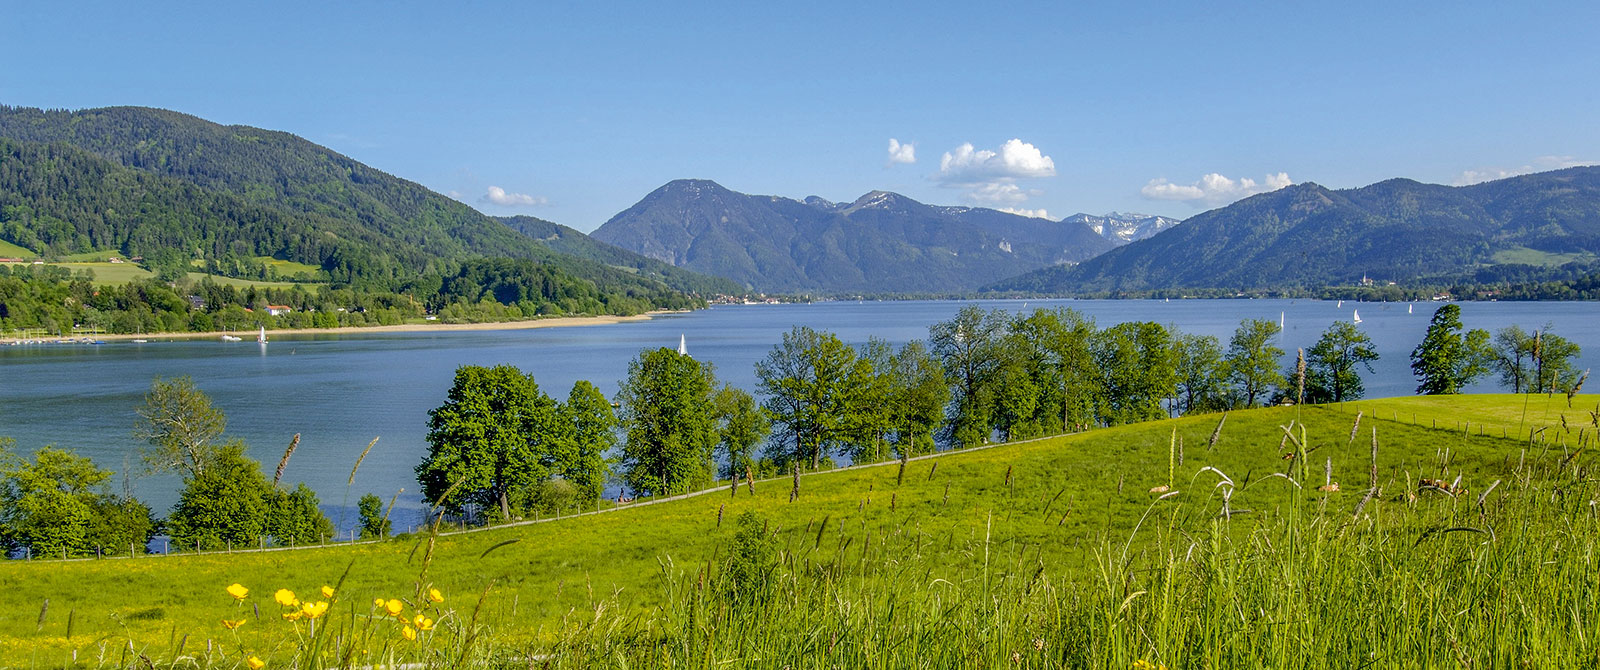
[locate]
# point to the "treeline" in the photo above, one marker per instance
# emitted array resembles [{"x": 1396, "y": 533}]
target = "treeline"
[
  {"x": 54, "y": 300},
  {"x": 981, "y": 376}
]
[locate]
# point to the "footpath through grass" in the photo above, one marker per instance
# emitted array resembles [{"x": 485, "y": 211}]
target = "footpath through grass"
[{"x": 1057, "y": 553}]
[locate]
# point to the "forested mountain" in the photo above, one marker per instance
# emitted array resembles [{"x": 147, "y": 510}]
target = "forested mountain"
[
  {"x": 882, "y": 242},
  {"x": 1397, "y": 230},
  {"x": 567, "y": 241},
  {"x": 159, "y": 184}
]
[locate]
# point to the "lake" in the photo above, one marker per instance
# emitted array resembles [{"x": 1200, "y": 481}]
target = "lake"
[{"x": 340, "y": 391}]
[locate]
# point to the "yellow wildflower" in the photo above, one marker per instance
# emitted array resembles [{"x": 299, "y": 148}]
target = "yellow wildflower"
[
  {"x": 231, "y": 624},
  {"x": 426, "y": 624},
  {"x": 286, "y": 598},
  {"x": 238, "y": 591},
  {"x": 394, "y": 607},
  {"x": 314, "y": 610},
  {"x": 293, "y": 616},
  {"x": 327, "y": 591},
  {"x": 377, "y": 602},
  {"x": 435, "y": 595},
  {"x": 255, "y": 663},
  {"x": 409, "y": 633}
]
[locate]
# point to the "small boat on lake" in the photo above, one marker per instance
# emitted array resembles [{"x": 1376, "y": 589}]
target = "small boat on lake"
[
  {"x": 1355, "y": 316},
  {"x": 262, "y": 336}
]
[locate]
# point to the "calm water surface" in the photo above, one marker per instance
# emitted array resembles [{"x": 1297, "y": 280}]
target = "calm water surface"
[{"x": 340, "y": 391}]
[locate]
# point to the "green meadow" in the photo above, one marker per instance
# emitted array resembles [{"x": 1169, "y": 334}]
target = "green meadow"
[{"x": 1191, "y": 542}]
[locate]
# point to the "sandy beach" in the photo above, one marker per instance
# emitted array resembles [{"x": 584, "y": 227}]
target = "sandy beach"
[{"x": 552, "y": 322}]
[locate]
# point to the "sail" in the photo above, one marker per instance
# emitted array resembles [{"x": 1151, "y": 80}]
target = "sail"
[
  {"x": 1355, "y": 315},
  {"x": 262, "y": 336},
  {"x": 683, "y": 346}
]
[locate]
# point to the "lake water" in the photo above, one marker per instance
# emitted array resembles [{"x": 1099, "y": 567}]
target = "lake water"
[{"x": 340, "y": 391}]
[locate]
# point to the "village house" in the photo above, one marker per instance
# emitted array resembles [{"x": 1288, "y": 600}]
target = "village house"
[{"x": 277, "y": 310}]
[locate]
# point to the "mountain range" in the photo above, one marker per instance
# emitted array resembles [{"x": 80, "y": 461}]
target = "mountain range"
[
  {"x": 882, "y": 242},
  {"x": 148, "y": 182},
  {"x": 1307, "y": 235}
]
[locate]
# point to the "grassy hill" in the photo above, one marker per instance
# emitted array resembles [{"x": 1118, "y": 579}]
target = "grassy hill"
[{"x": 1053, "y": 553}]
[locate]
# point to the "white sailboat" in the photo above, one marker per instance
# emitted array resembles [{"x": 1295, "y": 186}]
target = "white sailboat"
[
  {"x": 1355, "y": 316},
  {"x": 262, "y": 335},
  {"x": 1341, "y": 304},
  {"x": 1409, "y": 308},
  {"x": 683, "y": 346},
  {"x": 1280, "y": 320}
]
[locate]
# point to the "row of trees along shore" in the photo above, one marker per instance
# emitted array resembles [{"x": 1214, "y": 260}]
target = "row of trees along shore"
[
  {"x": 501, "y": 449},
  {"x": 57, "y": 302}
]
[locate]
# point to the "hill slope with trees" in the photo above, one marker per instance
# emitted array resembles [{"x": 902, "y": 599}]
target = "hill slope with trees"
[{"x": 1307, "y": 236}]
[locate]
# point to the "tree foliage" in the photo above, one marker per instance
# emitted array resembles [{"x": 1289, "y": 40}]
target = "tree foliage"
[
  {"x": 493, "y": 440},
  {"x": 55, "y": 506},
  {"x": 181, "y": 427},
  {"x": 1447, "y": 360},
  {"x": 1331, "y": 364},
  {"x": 1253, "y": 360},
  {"x": 666, "y": 417}
]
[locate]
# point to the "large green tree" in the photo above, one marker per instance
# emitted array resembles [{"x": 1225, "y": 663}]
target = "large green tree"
[
  {"x": 1201, "y": 372},
  {"x": 666, "y": 416},
  {"x": 55, "y": 505},
  {"x": 971, "y": 350},
  {"x": 1331, "y": 364},
  {"x": 1137, "y": 371},
  {"x": 226, "y": 504},
  {"x": 180, "y": 425},
  {"x": 919, "y": 393},
  {"x": 807, "y": 380},
  {"x": 594, "y": 434},
  {"x": 1253, "y": 360},
  {"x": 494, "y": 439},
  {"x": 1447, "y": 360},
  {"x": 742, "y": 425}
]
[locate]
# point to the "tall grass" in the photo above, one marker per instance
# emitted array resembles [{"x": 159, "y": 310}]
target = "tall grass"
[{"x": 1430, "y": 580}]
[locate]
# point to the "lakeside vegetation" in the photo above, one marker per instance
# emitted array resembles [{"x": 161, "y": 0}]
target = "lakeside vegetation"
[
  {"x": 51, "y": 300},
  {"x": 1109, "y": 547}
]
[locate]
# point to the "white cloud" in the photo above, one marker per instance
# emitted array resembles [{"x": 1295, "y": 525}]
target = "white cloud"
[
  {"x": 902, "y": 153},
  {"x": 999, "y": 193},
  {"x": 1016, "y": 159},
  {"x": 989, "y": 177},
  {"x": 1214, "y": 189},
  {"x": 499, "y": 196},
  {"x": 1540, "y": 164},
  {"x": 1031, "y": 213},
  {"x": 454, "y": 194}
]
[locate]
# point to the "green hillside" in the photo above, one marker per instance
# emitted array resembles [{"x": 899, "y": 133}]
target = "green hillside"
[
  {"x": 1061, "y": 552},
  {"x": 1309, "y": 236}
]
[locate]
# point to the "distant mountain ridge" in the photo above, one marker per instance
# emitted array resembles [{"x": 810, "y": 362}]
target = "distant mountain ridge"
[
  {"x": 1122, "y": 228},
  {"x": 881, "y": 242},
  {"x": 1307, "y": 235},
  {"x": 571, "y": 242}
]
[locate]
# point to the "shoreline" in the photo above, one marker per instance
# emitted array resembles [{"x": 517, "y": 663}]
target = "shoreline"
[{"x": 552, "y": 322}]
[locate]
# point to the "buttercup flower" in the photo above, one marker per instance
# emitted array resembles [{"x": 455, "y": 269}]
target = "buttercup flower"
[
  {"x": 314, "y": 610},
  {"x": 231, "y": 624},
  {"x": 425, "y": 624},
  {"x": 327, "y": 591},
  {"x": 394, "y": 607},
  {"x": 435, "y": 595},
  {"x": 377, "y": 602},
  {"x": 238, "y": 591},
  {"x": 286, "y": 598},
  {"x": 255, "y": 663},
  {"x": 409, "y": 633}
]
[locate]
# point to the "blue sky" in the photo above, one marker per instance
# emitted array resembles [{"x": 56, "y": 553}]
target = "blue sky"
[{"x": 575, "y": 111}]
